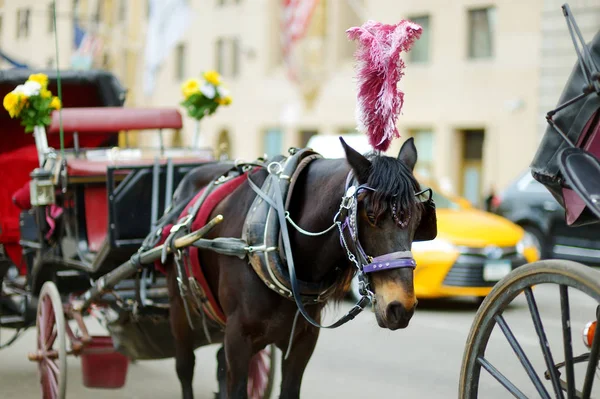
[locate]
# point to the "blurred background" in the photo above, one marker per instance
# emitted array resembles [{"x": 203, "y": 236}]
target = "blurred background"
[{"x": 477, "y": 83}]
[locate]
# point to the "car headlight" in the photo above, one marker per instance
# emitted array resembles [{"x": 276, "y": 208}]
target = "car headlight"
[
  {"x": 526, "y": 242},
  {"x": 437, "y": 244}
]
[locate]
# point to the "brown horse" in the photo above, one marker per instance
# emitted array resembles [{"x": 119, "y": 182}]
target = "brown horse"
[{"x": 388, "y": 219}]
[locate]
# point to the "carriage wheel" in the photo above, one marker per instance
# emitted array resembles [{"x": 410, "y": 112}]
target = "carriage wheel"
[
  {"x": 559, "y": 365},
  {"x": 51, "y": 343},
  {"x": 261, "y": 374}
]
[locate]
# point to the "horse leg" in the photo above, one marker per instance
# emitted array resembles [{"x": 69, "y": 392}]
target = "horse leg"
[
  {"x": 184, "y": 339},
  {"x": 221, "y": 374},
  {"x": 238, "y": 352},
  {"x": 293, "y": 367}
]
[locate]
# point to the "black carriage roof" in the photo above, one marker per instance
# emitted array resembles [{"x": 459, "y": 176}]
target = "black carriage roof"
[
  {"x": 109, "y": 91},
  {"x": 94, "y": 88}
]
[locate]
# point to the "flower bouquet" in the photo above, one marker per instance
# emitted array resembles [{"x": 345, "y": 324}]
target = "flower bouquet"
[
  {"x": 32, "y": 102},
  {"x": 203, "y": 97}
]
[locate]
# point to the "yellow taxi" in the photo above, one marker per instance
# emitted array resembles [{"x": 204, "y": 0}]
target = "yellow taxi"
[{"x": 473, "y": 250}]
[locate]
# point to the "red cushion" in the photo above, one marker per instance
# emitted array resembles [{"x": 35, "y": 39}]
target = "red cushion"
[
  {"x": 22, "y": 197},
  {"x": 15, "y": 167}
]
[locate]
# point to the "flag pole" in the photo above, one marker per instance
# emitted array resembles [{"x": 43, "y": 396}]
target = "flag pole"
[{"x": 58, "y": 84}]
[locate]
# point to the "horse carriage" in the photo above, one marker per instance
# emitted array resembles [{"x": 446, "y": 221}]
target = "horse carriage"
[
  {"x": 567, "y": 164},
  {"x": 80, "y": 214},
  {"x": 235, "y": 254}
]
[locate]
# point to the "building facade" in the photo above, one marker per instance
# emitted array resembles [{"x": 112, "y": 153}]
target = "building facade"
[{"x": 476, "y": 84}]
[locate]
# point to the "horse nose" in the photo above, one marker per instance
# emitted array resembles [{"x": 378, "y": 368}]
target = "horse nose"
[{"x": 398, "y": 316}]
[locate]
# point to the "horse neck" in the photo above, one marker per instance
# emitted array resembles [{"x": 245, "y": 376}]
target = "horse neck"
[{"x": 316, "y": 200}]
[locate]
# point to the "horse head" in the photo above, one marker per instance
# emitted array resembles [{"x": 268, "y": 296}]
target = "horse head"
[{"x": 389, "y": 217}]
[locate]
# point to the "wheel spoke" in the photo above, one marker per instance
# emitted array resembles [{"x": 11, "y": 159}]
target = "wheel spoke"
[
  {"x": 566, "y": 327},
  {"x": 522, "y": 357},
  {"x": 51, "y": 339},
  {"x": 53, "y": 367},
  {"x": 501, "y": 378},
  {"x": 49, "y": 321},
  {"x": 41, "y": 330},
  {"x": 539, "y": 329},
  {"x": 53, "y": 384},
  {"x": 593, "y": 362}
]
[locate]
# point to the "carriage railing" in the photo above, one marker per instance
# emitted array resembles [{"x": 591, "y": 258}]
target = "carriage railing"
[{"x": 113, "y": 120}]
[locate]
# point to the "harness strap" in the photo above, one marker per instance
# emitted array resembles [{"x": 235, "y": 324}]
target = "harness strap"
[{"x": 292, "y": 272}]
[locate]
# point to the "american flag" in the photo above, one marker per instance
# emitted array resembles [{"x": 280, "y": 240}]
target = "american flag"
[{"x": 295, "y": 19}]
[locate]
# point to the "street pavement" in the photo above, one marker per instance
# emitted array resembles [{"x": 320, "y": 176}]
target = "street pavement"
[{"x": 358, "y": 360}]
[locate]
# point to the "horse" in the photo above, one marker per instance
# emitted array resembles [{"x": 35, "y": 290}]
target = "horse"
[{"x": 389, "y": 216}]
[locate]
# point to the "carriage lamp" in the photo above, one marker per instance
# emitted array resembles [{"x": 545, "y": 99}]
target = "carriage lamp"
[
  {"x": 42, "y": 188},
  {"x": 588, "y": 333}
]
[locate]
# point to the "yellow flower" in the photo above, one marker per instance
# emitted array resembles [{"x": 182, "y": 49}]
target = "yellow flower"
[
  {"x": 212, "y": 77},
  {"x": 40, "y": 78},
  {"x": 191, "y": 86},
  {"x": 13, "y": 104},
  {"x": 224, "y": 100},
  {"x": 55, "y": 103},
  {"x": 45, "y": 93}
]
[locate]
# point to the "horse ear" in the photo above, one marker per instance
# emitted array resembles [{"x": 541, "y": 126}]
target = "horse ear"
[
  {"x": 408, "y": 153},
  {"x": 359, "y": 164}
]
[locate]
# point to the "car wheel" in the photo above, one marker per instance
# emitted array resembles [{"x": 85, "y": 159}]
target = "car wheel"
[{"x": 538, "y": 238}]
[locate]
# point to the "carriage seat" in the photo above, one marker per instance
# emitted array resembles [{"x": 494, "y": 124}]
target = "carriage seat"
[
  {"x": 112, "y": 186},
  {"x": 113, "y": 120}
]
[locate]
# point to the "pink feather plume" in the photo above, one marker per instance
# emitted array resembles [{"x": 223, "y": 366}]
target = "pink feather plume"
[{"x": 379, "y": 69}]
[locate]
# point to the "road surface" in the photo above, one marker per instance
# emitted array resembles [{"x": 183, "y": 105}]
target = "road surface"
[{"x": 357, "y": 360}]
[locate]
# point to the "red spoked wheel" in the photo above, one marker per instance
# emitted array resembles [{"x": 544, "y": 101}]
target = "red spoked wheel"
[
  {"x": 261, "y": 374},
  {"x": 51, "y": 343}
]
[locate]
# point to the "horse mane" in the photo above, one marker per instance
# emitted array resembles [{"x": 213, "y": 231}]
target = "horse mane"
[{"x": 394, "y": 184}]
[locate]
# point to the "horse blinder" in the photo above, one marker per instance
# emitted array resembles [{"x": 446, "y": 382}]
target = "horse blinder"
[{"x": 427, "y": 229}]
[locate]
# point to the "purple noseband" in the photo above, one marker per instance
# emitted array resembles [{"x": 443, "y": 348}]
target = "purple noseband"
[{"x": 395, "y": 260}]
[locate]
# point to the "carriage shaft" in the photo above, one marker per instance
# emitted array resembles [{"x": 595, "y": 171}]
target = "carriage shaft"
[{"x": 129, "y": 268}]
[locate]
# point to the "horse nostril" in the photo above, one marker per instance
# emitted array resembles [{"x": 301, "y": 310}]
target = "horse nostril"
[{"x": 396, "y": 313}]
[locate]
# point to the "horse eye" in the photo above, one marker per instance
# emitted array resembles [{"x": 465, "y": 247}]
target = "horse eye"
[{"x": 371, "y": 218}]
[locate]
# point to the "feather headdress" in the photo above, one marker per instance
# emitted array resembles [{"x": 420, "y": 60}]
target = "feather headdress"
[{"x": 379, "y": 69}]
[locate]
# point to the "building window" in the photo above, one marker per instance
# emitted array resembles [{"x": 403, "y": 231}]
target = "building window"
[
  {"x": 482, "y": 24},
  {"x": 273, "y": 142},
  {"x": 424, "y": 143},
  {"x": 305, "y": 136},
  {"x": 125, "y": 65},
  {"x": 50, "y": 63},
  {"x": 23, "y": 22},
  {"x": 472, "y": 165},
  {"x": 180, "y": 62},
  {"x": 227, "y": 55},
  {"x": 122, "y": 10},
  {"x": 420, "y": 49},
  {"x": 98, "y": 15},
  {"x": 223, "y": 146},
  {"x": 349, "y": 16},
  {"x": 50, "y": 18}
]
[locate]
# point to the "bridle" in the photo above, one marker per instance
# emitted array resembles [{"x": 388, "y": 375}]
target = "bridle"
[
  {"x": 364, "y": 263},
  {"x": 345, "y": 218}
]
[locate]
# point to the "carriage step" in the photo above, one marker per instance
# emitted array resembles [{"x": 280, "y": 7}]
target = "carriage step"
[{"x": 12, "y": 321}]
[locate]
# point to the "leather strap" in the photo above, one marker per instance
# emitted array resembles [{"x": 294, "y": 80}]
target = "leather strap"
[{"x": 358, "y": 307}]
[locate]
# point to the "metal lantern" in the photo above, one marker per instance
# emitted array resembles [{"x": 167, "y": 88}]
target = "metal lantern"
[{"x": 42, "y": 188}]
